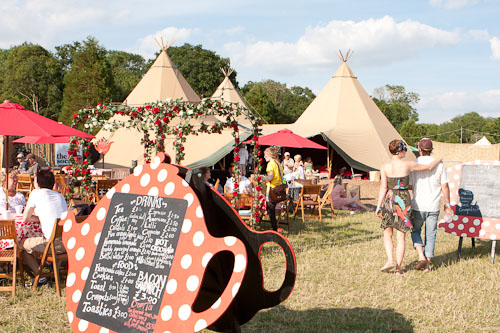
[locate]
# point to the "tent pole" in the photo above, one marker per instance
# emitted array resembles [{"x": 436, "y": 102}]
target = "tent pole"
[{"x": 6, "y": 140}]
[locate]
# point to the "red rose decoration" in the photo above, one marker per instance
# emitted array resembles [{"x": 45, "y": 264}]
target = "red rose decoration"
[
  {"x": 175, "y": 108},
  {"x": 236, "y": 158},
  {"x": 169, "y": 114},
  {"x": 155, "y": 110},
  {"x": 75, "y": 115},
  {"x": 139, "y": 109},
  {"x": 237, "y": 140},
  {"x": 87, "y": 154},
  {"x": 236, "y": 185},
  {"x": 259, "y": 178},
  {"x": 165, "y": 119},
  {"x": 182, "y": 148},
  {"x": 258, "y": 188},
  {"x": 158, "y": 122},
  {"x": 147, "y": 107},
  {"x": 237, "y": 149},
  {"x": 235, "y": 193}
]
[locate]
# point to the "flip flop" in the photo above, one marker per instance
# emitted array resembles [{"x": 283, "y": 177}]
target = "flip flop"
[{"x": 387, "y": 267}]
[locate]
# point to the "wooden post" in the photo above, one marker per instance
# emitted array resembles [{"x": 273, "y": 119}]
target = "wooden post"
[{"x": 459, "y": 247}]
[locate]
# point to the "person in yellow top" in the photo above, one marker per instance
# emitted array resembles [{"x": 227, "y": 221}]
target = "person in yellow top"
[{"x": 274, "y": 178}]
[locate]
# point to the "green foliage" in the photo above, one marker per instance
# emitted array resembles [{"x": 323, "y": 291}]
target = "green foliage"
[
  {"x": 127, "y": 69},
  {"x": 200, "y": 68},
  {"x": 31, "y": 76},
  {"x": 396, "y": 104},
  {"x": 89, "y": 81},
  {"x": 276, "y": 103}
]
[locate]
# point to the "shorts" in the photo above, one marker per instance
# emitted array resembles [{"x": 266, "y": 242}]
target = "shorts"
[{"x": 38, "y": 244}]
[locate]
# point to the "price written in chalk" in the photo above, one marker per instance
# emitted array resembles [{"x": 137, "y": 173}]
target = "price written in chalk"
[{"x": 132, "y": 262}]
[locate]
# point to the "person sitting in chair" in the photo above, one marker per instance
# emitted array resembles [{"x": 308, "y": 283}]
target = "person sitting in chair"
[
  {"x": 339, "y": 197},
  {"x": 44, "y": 205},
  {"x": 15, "y": 198}
]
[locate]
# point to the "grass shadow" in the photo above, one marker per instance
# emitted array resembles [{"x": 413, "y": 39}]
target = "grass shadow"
[{"x": 359, "y": 319}]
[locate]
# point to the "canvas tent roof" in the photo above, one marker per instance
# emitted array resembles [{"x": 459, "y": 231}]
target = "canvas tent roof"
[
  {"x": 349, "y": 120},
  {"x": 483, "y": 142},
  {"x": 164, "y": 81},
  {"x": 228, "y": 93}
]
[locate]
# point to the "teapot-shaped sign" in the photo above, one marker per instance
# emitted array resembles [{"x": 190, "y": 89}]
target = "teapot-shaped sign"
[{"x": 102, "y": 145}]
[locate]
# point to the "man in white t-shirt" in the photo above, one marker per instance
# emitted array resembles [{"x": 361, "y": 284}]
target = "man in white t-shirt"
[
  {"x": 243, "y": 154},
  {"x": 44, "y": 205},
  {"x": 428, "y": 186}
]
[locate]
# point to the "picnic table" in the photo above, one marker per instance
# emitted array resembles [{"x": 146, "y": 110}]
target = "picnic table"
[{"x": 24, "y": 230}]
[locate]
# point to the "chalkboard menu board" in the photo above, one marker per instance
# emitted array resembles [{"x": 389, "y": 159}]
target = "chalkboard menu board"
[
  {"x": 132, "y": 262},
  {"x": 479, "y": 191}
]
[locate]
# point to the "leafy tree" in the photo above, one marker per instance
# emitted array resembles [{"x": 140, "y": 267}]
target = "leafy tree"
[
  {"x": 127, "y": 69},
  {"x": 258, "y": 99},
  {"x": 32, "y": 76},
  {"x": 288, "y": 103},
  {"x": 89, "y": 81},
  {"x": 412, "y": 132},
  {"x": 396, "y": 104},
  {"x": 200, "y": 68}
]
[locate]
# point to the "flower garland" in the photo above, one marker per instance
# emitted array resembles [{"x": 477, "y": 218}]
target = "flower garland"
[{"x": 154, "y": 120}]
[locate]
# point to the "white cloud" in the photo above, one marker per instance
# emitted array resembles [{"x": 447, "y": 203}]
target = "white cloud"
[
  {"x": 380, "y": 41},
  {"x": 234, "y": 30},
  {"x": 452, "y": 4},
  {"x": 438, "y": 108},
  {"x": 478, "y": 34},
  {"x": 147, "y": 46},
  {"x": 495, "y": 48}
]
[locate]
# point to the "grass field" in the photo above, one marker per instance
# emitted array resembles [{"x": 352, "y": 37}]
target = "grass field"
[{"x": 339, "y": 287}]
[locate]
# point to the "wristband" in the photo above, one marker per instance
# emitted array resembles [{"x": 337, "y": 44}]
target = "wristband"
[
  {"x": 378, "y": 208},
  {"x": 447, "y": 204}
]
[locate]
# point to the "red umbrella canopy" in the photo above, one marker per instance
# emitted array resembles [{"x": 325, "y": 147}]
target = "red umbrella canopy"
[
  {"x": 18, "y": 121},
  {"x": 42, "y": 140},
  {"x": 286, "y": 138}
]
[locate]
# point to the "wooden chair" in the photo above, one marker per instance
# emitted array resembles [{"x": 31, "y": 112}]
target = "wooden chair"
[
  {"x": 326, "y": 200},
  {"x": 51, "y": 256},
  {"x": 104, "y": 185},
  {"x": 244, "y": 201},
  {"x": 10, "y": 256},
  {"x": 304, "y": 181},
  {"x": 310, "y": 196},
  {"x": 60, "y": 185},
  {"x": 24, "y": 184},
  {"x": 120, "y": 173}
]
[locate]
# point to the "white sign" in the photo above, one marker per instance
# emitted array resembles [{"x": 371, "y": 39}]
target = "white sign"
[{"x": 62, "y": 157}]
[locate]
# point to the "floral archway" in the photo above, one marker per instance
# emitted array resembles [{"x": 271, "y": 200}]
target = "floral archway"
[{"x": 158, "y": 118}]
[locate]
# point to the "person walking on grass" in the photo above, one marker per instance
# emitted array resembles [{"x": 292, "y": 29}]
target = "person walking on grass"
[
  {"x": 394, "y": 201},
  {"x": 428, "y": 186}
]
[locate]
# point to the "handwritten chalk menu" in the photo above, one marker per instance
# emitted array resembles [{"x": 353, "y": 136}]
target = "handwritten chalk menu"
[
  {"x": 479, "y": 191},
  {"x": 125, "y": 285}
]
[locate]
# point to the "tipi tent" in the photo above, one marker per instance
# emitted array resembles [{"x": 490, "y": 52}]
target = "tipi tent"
[
  {"x": 348, "y": 119},
  {"x": 483, "y": 142},
  {"x": 164, "y": 81},
  {"x": 228, "y": 93}
]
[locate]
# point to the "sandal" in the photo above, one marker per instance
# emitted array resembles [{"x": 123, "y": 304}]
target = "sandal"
[
  {"x": 387, "y": 267},
  {"x": 399, "y": 271}
]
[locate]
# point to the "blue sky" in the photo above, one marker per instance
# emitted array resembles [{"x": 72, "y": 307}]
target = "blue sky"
[{"x": 447, "y": 51}]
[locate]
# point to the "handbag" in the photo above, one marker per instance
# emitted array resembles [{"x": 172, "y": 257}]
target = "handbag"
[{"x": 278, "y": 193}]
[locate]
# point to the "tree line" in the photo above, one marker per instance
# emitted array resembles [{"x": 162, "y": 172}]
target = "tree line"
[{"x": 83, "y": 73}]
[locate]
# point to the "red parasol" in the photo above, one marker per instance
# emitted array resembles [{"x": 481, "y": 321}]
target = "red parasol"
[
  {"x": 40, "y": 140},
  {"x": 286, "y": 138},
  {"x": 17, "y": 121}
]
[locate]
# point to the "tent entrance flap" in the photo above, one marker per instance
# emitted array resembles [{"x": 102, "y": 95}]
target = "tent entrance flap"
[{"x": 352, "y": 163}]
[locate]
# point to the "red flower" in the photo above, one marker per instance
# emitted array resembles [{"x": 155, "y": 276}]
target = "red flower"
[
  {"x": 87, "y": 154},
  {"x": 236, "y": 158},
  {"x": 158, "y": 122},
  {"x": 256, "y": 214},
  {"x": 259, "y": 178},
  {"x": 175, "y": 108},
  {"x": 181, "y": 148},
  {"x": 75, "y": 115},
  {"x": 235, "y": 193},
  {"x": 104, "y": 107},
  {"x": 257, "y": 219},
  {"x": 139, "y": 109},
  {"x": 237, "y": 140},
  {"x": 237, "y": 149},
  {"x": 147, "y": 107},
  {"x": 155, "y": 110},
  {"x": 180, "y": 134},
  {"x": 258, "y": 188},
  {"x": 236, "y": 185},
  {"x": 133, "y": 114},
  {"x": 169, "y": 114},
  {"x": 165, "y": 119},
  {"x": 259, "y": 153}
]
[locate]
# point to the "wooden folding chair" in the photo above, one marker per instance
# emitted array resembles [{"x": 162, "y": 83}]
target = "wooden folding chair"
[
  {"x": 326, "y": 200},
  {"x": 104, "y": 185},
  {"x": 24, "y": 184},
  {"x": 244, "y": 201},
  {"x": 10, "y": 256},
  {"x": 60, "y": 184},
  {"x": 310, "y": 196},
  {"x": 50, "y": 255}
]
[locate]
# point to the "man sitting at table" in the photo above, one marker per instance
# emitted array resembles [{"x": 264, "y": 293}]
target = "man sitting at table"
[
  {"x": 23, "y": 164},
  {"x": 44, "y": 205},
  {"x": 34, "y": 166},
  {"x": 15, "y": 198}
]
